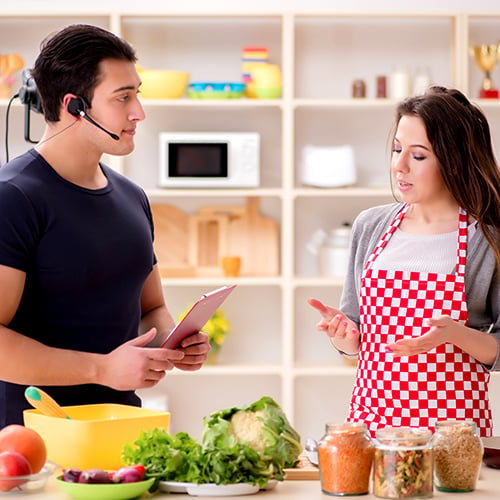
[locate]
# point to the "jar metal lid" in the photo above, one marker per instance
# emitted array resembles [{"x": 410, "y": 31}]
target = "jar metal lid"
[
  {"x": 341, "y": 427},
  {"x": 455, "y": 426}
]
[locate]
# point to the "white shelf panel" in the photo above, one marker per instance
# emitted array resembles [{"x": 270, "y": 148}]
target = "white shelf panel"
[
  {"x": 258, "y": 281},
  {"x": 347, "y": 192},
  {"x": 212, "y": 103},
  {"x": 163, "y": 195}
]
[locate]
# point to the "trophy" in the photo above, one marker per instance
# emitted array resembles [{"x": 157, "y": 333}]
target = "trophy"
[{"x": 486, "y": 57}]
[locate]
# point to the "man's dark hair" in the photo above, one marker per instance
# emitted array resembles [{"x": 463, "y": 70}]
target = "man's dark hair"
[{"x": 69, "y": 63}]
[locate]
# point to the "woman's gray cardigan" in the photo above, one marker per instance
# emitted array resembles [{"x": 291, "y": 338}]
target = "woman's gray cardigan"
[{"x": 482, "y": 286}]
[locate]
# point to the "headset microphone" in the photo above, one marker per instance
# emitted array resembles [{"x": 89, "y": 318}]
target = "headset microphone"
[{"x": 77, "y": 107}]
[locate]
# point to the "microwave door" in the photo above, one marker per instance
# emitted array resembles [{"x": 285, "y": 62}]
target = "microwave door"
[{"x": 203, "y": 161}]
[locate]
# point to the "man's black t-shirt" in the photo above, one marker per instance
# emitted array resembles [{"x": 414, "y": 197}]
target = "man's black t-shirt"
[{"x": 86, "y": 255}]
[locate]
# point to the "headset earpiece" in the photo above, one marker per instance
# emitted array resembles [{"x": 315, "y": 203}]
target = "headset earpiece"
[{"x": 76, "y": 106}]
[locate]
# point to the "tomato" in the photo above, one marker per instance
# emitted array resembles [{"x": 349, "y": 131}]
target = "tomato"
[
  {"x": 140, "y": 469},
  {"x": 13, "y": 465}
]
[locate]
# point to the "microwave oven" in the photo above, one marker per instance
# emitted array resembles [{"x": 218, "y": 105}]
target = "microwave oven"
[{"x": 209, "y": 159}]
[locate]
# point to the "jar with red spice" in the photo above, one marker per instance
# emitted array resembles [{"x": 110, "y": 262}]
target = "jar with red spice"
[
  {"x": 402, "y": 464},
  {"x": 345, "y": 456}
]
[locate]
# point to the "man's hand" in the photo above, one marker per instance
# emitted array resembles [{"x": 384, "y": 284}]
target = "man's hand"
[
  {"x": 133, "y": 366},
  {"x": 195, "y": 349}
]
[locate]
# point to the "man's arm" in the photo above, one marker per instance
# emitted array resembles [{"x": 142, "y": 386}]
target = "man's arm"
[{"x": 26, "y": 361}]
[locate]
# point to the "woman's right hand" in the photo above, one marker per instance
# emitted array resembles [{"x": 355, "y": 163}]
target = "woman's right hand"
[{"x": 343, "y": 332}]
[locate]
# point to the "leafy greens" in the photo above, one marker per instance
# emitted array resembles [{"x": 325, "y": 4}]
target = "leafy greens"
[{"x": 250, "y": 444}]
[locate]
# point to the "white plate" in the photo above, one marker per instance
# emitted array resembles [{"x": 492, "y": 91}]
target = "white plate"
[
  {"x": 173, "y": 486},
  {"x": 271, "y": 484},
  {"x": 221, "y": 490}
]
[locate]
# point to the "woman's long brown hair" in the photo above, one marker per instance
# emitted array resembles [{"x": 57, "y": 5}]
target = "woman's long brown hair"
[{"x": 460, "y": 137}]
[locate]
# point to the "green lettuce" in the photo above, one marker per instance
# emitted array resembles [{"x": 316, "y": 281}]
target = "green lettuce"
[{"x": 250, "y": 444}]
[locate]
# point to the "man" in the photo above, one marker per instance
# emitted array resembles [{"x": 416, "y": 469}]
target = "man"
[{"x": 82, "y": 312}]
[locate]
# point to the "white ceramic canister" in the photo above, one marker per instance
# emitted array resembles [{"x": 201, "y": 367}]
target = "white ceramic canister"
[
  {"x": 328, "y": 166},
  {"x": 333, "y": 254}
]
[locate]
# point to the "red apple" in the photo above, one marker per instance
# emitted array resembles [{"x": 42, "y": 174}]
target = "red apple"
[{"x": 13, "y": 464}]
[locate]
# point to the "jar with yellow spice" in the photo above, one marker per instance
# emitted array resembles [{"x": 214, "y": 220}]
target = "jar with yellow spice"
[
  {"x": 345, "y": 455},
  {"x": 458, "y": 453}
]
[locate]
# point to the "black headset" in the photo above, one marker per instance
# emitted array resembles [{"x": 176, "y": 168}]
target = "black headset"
[
  {"x": 29, "y": 96},
  {"x": 78, "y": 107},
  {"x": 28, "y": 93}
]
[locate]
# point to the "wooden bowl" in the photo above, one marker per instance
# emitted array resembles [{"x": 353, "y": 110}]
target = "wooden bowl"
[{"x": 491, "y": 455}]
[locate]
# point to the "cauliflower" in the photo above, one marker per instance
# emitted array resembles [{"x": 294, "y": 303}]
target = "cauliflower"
[
  {"x": 247, "y": 426},
  {"x": 263, "y": 426}
]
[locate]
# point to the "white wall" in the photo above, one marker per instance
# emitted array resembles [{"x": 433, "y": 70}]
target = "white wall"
[{"x": 46, "y": 6}]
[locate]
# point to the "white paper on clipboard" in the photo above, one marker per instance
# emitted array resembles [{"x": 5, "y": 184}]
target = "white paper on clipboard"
[{"x": 197, "y": 316}]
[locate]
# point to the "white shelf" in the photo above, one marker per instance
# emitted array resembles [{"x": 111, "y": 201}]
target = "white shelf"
[
  {"x": 275, "y": 348},
  {"x": 359, "y": 103},
  {"x": 159, "y": 195},
  {"x": 213, "y": 103},
  {"x": 348, "y": 192}
]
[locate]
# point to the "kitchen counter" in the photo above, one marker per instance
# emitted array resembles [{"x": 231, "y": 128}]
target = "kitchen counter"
[{"x": 487, "y": 488}]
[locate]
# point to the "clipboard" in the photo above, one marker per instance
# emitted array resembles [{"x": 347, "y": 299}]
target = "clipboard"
[{"x": 197, "y": 316}]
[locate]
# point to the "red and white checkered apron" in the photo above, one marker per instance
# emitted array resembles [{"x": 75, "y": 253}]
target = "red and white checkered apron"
[{"x": 444, "y": 383}]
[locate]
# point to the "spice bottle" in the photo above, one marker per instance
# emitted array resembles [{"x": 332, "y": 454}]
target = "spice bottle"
[
  {"x": 381, "y": 86},
  {"x": 458, "y": 452},
  {"x": 343, "y": 445},
  {"x": 402, "y": 463},
  {"x": 358, "y": 88}
]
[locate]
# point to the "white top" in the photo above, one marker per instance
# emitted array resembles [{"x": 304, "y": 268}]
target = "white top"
[{"x": 432, "y": 253}]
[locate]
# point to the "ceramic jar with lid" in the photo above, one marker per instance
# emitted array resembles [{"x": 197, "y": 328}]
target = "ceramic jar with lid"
[
  {"x": 333, "y": 254},
  {"x": 402, "y": 463},
  {"x": 345, "y": 456},
  {"x": 458, "y": 453}
]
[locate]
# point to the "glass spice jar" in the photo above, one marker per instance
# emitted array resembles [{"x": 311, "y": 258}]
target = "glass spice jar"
[
  {"x": 402, "y": 463},
  {"x": 458, "y": 453},
  {"x": 345, "y": 455},
  {"x": 358, "y": 88}
]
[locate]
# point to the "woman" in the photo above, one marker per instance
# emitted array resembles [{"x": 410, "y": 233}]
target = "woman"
[{"x": 421, "y": 302}]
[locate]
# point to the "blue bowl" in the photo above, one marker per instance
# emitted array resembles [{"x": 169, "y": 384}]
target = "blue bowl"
[{"x": 216, "y": 90}]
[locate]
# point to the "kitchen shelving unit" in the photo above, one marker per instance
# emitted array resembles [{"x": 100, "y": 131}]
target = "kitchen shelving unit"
[{"x": 274, "y": 348}]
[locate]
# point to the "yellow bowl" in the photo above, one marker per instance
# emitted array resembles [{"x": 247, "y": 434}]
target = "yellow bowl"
[
  {"x": 163, "y": 84},
  {"x": 94, "y": 435}
]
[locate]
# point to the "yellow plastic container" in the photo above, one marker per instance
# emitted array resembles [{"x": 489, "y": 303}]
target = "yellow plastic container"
[{"x": 94, "y": 435}]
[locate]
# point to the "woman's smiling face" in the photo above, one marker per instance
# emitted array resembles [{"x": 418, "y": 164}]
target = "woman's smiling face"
[{"x": 414, "y": 166}]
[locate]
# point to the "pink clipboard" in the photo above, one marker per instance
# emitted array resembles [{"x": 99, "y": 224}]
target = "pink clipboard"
[{"x": 197, "y": 316}]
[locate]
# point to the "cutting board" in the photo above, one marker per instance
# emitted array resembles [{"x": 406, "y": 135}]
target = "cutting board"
[
  {"x": 255, "y": 239},
  {"x": 171, "y": 240},
  {"x": 303, "y": 471},
  {"x": 207, "y": 242}
]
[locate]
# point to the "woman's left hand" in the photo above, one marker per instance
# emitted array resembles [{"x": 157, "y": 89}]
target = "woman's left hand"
[{"x": 441, "y": 330}]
